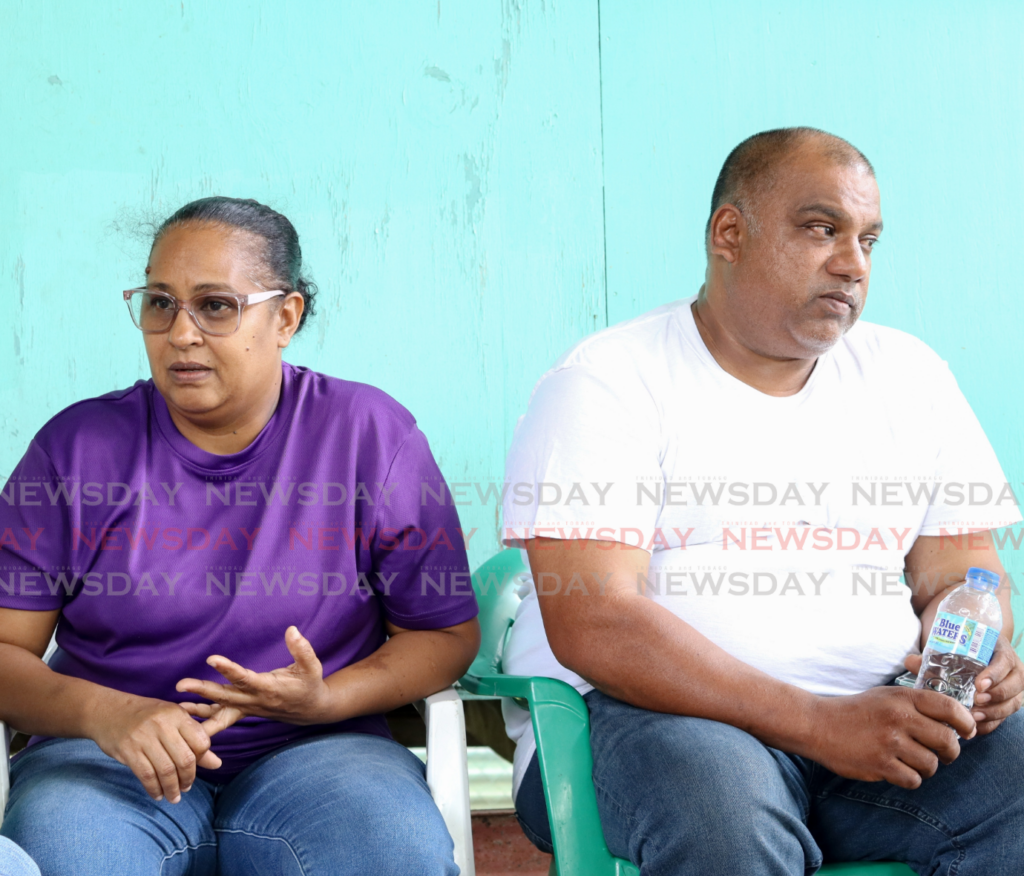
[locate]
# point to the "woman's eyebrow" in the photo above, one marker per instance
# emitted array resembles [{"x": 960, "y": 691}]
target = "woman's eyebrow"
[
  {"x": 214, "y": 287},
  {"x": 198, "y": 289}
]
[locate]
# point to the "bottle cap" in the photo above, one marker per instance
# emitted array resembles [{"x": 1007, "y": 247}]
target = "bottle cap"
[{"x": 983, "y": 579}]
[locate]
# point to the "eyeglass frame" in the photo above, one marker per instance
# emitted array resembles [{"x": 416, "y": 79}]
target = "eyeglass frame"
[{"x": 242, "y": 300}]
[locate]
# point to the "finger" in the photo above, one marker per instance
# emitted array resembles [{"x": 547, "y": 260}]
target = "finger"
[
  {"x": 921, "y": 759},
  {"x": 1007, "y": 689},
  {"x": 1010, "y": 685},
  {"x": 225, "y": 694},
  {"x": 200, "y": 710},
  {"x": 903, "y": 776},
  {"x": 996, "y": 711},
  {"x": 238, "y": 675},
  {"x": 946, "y": 710},
  {"x": 198, "y": 739},
  {"x": 223, "y": 718},
  {"x": 146, "y": 773},
  {"x": 937, "y": 738},
  {"x": 164, "y": 769},
  {"x": 1004, "y": 659},
  {"x": 184, "y": 744},
  {"x": 302, "y": 651},
  {"x": 988, "y": 726},
  {"x": 912, "y": 663}
]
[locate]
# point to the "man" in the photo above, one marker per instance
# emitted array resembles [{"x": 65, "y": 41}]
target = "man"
[{"x": 718, "y": 499}]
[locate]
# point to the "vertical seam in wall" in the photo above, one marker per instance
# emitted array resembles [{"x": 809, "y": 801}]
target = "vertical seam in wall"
[{"x": 604, "y": 217}]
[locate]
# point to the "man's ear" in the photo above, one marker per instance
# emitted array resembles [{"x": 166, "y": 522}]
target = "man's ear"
[{"x": 728, "y": 232}]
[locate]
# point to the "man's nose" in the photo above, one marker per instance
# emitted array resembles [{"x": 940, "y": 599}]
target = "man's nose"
[{"x": 849, "y": 260}]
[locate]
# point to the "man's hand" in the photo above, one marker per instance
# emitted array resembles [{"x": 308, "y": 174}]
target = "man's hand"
[
  {"x": 893, "y": 734},
  {"x": 156, "y": 740},
  {"x": 295, "y": 694},
  {"x": 1000, "y": 686}
]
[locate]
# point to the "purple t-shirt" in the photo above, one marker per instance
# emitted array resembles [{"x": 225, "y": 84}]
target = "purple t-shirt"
[{"x": 160, "y": 554}]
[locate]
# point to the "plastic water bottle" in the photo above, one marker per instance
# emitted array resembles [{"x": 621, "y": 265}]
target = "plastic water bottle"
[{"x": 963, "y": 637}]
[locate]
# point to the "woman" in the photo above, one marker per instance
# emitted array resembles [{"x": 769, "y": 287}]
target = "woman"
[{"x": 243, "y": 579}]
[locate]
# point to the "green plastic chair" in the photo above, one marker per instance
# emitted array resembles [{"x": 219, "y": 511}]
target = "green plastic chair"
[{"x": 561, "y": 725}]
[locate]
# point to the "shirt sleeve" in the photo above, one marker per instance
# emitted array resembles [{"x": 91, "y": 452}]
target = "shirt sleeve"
[
  {"x": 35, "y": 554},
  {"x": 590, "y": 439},
  {"x": 974, "y": 492},
  {"x": 422, "y": 572}
]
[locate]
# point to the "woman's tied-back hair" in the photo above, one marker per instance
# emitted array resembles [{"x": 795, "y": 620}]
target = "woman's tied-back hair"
[
  {"x": 749, "y": 170},
  {"x": 281, "y": 256}
]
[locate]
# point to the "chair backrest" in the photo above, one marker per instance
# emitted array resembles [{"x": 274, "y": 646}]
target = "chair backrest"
[{"x": 495, "y": 585}]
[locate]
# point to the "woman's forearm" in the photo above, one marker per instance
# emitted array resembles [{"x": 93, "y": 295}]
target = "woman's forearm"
[
  {"x": 408, "y": 667},
  {"x": 36, "y": 700}
]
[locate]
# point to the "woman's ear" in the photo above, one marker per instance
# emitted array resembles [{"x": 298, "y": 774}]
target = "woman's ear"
[{"x": 288, "y": 316}]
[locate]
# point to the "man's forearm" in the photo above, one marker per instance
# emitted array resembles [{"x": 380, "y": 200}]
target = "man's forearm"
[{"x": 651, "y": 659}]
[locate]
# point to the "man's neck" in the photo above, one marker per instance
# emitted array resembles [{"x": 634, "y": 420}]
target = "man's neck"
[{"x": 778, "y": 377}]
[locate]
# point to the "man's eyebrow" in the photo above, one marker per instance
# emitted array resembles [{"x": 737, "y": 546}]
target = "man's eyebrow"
[
  {"x": 825, "y": 210},
  {"x": 836, "y": 215}
]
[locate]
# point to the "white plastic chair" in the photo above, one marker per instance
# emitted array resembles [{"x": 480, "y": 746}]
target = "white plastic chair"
[{"x": 447, "y": 770}]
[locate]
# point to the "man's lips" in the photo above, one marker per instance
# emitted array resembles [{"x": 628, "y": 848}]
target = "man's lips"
[{"x": 839, "y": 302}]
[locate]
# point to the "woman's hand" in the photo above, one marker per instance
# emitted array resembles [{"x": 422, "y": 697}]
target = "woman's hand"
[
  {"x": 158, "y": 741},
  {"x": 295, "y": 694}
]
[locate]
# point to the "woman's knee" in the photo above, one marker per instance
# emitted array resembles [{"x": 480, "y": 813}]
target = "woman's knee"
[
  {"x": 74, "y": 809},
  {"x": 339, "y": 805},
  {"x": 14, "y": 861}
]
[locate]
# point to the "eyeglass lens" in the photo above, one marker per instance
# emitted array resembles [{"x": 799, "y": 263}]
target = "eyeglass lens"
[{"x": 155, "y": 312}]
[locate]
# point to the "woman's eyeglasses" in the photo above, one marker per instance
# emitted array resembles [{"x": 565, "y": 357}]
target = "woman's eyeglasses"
[{"x": 215, "y": 313}]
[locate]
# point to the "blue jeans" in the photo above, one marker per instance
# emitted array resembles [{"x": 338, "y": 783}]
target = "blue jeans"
[
  {"x": 348, "y": 803},
  {"x": 14, "y": 861},
  {"x": 685, "y": 796}
]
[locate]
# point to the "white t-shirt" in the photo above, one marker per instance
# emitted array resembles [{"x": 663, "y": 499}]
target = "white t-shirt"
[{"x": 777, "y": 526}]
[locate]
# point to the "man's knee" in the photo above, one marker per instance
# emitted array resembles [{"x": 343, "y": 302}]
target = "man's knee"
[{"x": 671, "y": 786}]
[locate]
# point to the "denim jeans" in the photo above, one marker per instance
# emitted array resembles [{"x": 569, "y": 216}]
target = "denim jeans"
[
  {"x": 685, "y": 796},
  {"x": 14, "y": 861},
  {"x": 348, "y": 803}
]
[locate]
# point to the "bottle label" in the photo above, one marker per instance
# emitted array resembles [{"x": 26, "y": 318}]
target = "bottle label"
[{"x": 955, "y": 634}]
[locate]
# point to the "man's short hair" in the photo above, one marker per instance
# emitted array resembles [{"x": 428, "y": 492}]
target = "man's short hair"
[{"x": 748, "y": 171}]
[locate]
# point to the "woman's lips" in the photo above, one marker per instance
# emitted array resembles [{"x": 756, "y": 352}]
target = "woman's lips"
[{"x": 191, "y": 374}]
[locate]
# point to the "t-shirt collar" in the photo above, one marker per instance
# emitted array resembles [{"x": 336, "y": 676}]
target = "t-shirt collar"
[
  {"x": 203, "y": 460},
  {"x": 693, "y": 337}
]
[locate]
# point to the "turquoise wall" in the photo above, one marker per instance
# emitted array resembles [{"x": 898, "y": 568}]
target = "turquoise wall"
[{"x": 478, "y": 184}]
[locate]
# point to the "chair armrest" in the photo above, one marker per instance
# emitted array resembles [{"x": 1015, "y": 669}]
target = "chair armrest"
[
  {"x": 561, "y": 728},
  {"x": 5, "y": 756},
  {"x": 448, "y": 771}
]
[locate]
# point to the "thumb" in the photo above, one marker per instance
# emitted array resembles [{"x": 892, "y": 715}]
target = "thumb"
[
  {"x": 210, "y": 761},
  {"x": 302, "y": 651},
  {"x": 223, "y": 718}
]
